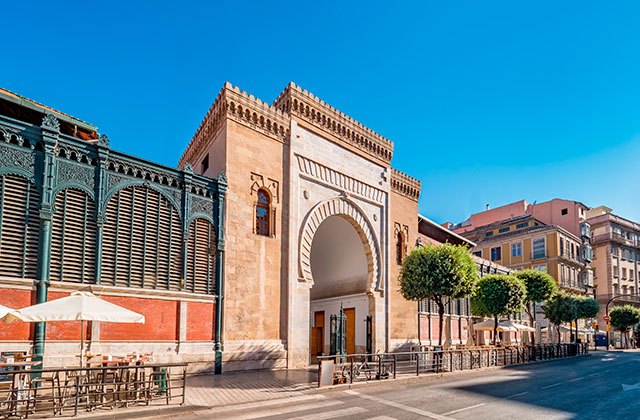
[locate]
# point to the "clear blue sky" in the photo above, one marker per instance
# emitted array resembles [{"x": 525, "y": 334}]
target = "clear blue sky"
[{"x": 487, "y": 102}]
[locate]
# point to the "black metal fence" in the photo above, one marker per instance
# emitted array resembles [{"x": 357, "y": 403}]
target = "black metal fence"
[
  {"x": 65, "y": 391},
  {"x": 363, "y": 367}
]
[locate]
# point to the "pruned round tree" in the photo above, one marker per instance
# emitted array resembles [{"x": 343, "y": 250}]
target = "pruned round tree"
[
  {"x": 586, "y": 307},
  {"x": 560, "y": 308},
  {"x": 440, "y": 273},
  {"x": 624, "y": 317},
  {"x": 540, "y": 287},
  {"x": 498, "y": 295}
]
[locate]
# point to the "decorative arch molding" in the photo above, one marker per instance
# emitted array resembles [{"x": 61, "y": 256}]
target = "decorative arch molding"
[
  {"x": 139, "y": 183},
  {"x": 347, "y": 209},
  {"x": 75, "y": 186},
  {"x": 196, "y": 216},
  {"x": 12, "y": 170}
]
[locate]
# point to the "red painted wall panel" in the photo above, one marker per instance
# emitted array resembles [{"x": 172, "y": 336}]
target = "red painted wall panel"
[
  {"x": 15, "y": 299},
  {"x": 161, "y": 320},
  {"x": 200, "y": 321}
]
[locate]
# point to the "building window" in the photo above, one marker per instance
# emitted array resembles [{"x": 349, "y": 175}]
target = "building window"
[
  {"x": 490, "y": 233},
  {"x": 516, "y": 249},
  {"x": 522, "y": 225},
  {"x": 539, "y": 248},
  {"x": 204, "y": 165},
  {"x": 504, "y": 229},
  {"x": 564, "y": 212},
  {"x": 477, "y": 253},
  {"x": 263, "y": 210},
  {"x": 541, "y": 267},
  {"x": 399, "y": 248},
  {"x": 496, "y": 253},
  {"x": 561, "y": 247}
]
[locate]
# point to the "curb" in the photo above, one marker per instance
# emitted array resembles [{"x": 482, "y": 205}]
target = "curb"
[{"x": 145, "y": 412}]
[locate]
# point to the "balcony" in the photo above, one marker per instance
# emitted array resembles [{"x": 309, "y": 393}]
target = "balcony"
[{"x": 614, "y": 237}]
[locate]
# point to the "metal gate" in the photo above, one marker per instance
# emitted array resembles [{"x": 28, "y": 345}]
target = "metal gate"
[{"x": 337, "y": 334}]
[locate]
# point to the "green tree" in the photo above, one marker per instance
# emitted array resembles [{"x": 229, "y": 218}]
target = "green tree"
[
  {"x": 624, "y": 317},
  {"x": 498, "y": 295},
  {"x": 440, "y": 273},
  {"x": 586, "y": 308},
  {"x": 540, "y": 287},
  {"x": 560, "y": 308}
]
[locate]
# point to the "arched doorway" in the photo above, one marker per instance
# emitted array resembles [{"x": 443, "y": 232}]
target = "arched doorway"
[{"x": 340, "y": 270}]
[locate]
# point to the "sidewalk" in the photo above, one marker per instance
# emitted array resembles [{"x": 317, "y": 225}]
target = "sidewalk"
[{"x": 241, "y": 387}]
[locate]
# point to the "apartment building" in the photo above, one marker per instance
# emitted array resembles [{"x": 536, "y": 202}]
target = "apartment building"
[
  {"x": 526, "y": 242},
  {"x": 616, "y": 245}
]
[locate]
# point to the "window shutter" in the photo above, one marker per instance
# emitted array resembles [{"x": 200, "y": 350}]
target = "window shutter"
[
  {"x": 201, "y": 257},
  {"x": 73, "y": 238},
  {"x": 19, "y": 227}
]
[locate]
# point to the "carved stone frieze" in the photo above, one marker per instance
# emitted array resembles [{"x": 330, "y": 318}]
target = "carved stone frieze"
[
  {"x": 258, "y": 181},
  {"x": 343, "y": 182},
  {"x": 50, "y": 121}
]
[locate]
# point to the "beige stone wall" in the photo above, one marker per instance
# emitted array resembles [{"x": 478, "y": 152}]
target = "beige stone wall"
[
  {"x": 403, "y": 314},
  {"x": 253, "y": 262}
]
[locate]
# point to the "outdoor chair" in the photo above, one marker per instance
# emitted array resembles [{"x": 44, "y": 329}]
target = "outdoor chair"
[{"x": 42, "y": 385}]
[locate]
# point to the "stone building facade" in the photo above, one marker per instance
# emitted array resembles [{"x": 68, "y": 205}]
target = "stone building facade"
[{"x": 316, "y": 212}]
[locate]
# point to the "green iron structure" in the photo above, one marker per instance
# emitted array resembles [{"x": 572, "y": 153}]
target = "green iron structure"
[{"x": 86, "y": 195}]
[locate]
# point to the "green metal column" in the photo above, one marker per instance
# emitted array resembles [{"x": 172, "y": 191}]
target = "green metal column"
[
  {"x": 100, "y": 192},
  {"x": 219, "y": 280},
  {"x": 186, "y": 212},
  {"x": 50, "y": 131}
]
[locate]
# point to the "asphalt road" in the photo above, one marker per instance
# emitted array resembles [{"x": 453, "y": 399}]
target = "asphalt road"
[{"x": 589, "y": 387}]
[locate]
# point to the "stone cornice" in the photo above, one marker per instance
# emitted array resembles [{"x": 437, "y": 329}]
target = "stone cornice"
[
  {"x": 299, "y": 103},
  {"x": 405, "y": 185},
  {"x": 243, "y": 108},
  {"x": 339, "y": 180}
]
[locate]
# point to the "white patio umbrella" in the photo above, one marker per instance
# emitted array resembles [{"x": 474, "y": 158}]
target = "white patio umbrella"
[
  {"x": 489, "y": 323},
  {"x": 516, "y": 326},
  {"x": 79, "y": 306},
  {"x": 4, "y": 310}
]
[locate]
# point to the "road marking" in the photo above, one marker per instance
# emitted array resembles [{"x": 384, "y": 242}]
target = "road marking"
[
  {"x": 551, "y": 386},
  {"x": 633, "y": 387},
  {"x": 400, "y": 406},
  {"x": 576, "y": 379},
  {"x": 332, "y": 414},
  {"x": 517, "y": 395},
  {"x": 595, "y": 374},
  {"x": 382, "y": 418},
  {"x": 259, "y": 404},
  {"x": 460, "y": 410},
  {"x": 287, "y": 410}
]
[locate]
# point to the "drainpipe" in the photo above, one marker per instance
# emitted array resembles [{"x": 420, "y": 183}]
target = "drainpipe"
[
  {"x": 50, "y": 132},
  {"x": 219, "y": 282}
]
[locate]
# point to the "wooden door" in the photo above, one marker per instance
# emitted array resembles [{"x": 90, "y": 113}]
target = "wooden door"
[
  {"x": 317, "y": 334},
  {"x": 350, "y": 313}
]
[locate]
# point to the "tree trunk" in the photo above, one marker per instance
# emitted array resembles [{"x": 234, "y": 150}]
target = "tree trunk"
[
  {"x": 530, "y": 311},
  {"x": 495, "y": 330},
  {"x": 440, "y": 326}
]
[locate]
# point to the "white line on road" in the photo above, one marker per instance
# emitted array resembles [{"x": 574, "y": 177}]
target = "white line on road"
[
  {"x": 382, "y": 418},
  {"x": 517, "y": 395},
  {"x": 332, "y": 414},
  {"x": 400, "y": 406},
  {"x": 460, "y": 410},
  {"x": 595, "y": 374},
  {"x": 551, "y": 386},
  {"x": 276, "y": 401},
  {"x": 287, "y": 410},
  {"x": 576, "y": 379}
]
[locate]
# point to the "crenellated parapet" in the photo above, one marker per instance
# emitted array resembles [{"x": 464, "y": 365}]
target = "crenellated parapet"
[
  {"x": 405, "y": 185},
  {"x": 245, "y": 109},
  {"x": 298, "y": 102}
]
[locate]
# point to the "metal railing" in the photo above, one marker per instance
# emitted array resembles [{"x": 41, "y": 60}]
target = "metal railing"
[
  {"x": 364, "y": 367},
  {"x": 52, "y": 392}
]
